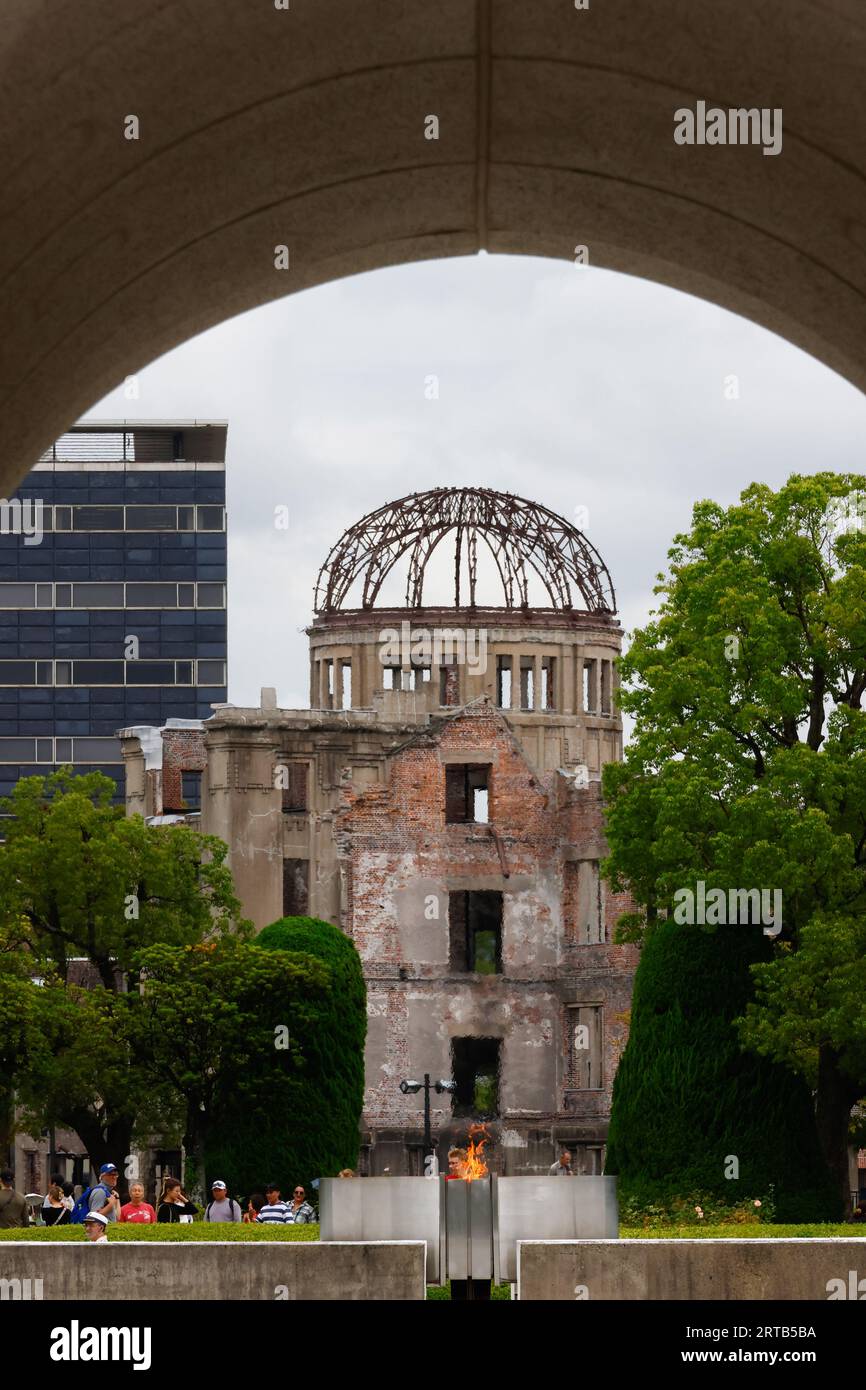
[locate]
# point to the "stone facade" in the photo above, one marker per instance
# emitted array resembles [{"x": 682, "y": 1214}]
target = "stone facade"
[{"x": 484, "y": 928}]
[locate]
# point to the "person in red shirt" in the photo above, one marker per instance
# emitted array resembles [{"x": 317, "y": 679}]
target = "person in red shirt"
[{"x": 137, "y": 1209}]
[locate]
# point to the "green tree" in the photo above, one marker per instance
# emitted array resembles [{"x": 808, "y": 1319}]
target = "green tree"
[
  {"x": 747, "y": 763},
  {"x": 224, "y": 1017},
  {"x": 310, "y": 1128},
  {"x": 692, "y": 1112},
  {"x": 91, "y": 882},
  {"x": 87, "y": 883}
]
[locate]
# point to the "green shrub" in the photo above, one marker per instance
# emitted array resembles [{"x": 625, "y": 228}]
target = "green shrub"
[
  {"x": 686, "y": 1098},
  {"x": 309, "y": 1127},
  {"x": 195, "y": 1230}
]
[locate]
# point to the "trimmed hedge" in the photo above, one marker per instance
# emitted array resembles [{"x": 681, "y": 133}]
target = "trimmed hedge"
[
  {"x": 686, "y": 1097},
  {"x": 195, "y": 1230},
  {"x": 310, "y": 1127}
]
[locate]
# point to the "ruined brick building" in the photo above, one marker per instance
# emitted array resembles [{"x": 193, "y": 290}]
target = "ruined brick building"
[{"x": 440, "y": 802}]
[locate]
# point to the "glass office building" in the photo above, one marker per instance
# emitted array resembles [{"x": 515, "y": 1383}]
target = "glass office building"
[{"x": 112, "y": 593}]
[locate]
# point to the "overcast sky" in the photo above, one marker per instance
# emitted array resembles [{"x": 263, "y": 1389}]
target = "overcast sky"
[{"x": 576, "y": 387}]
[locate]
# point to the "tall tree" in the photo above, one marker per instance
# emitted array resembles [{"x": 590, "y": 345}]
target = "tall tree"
[
  {"x": 91, "y": 886},
  {"x": 223, "y": 1017},
  {"x": 303, "y": 1124},
  {"x": 746, "y": 769}
]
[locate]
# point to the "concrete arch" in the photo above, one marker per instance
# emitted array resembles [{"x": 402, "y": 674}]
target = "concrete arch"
[{"x": 306, "y": 127}]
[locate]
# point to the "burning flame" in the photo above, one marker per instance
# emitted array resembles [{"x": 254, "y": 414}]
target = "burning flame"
[{"x": 475, "y": 1167}]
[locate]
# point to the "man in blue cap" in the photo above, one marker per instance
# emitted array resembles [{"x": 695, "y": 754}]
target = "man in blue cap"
[{"x": 104, "y": 1201}]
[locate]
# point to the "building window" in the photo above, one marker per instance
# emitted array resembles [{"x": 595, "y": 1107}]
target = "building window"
[
  {"x": 475, "y": 1068},
  {"x": 293, "y": 786},
  {"x": 590, "y": 687},
  {"x": 527, "y": 683},
  {"x": 295, "y": 887},
  {"x": 475, "y": 932},
  {"x": 606, "y": 667},
  {"x": 585, "y": 1047},
  {"x": 191, "y": 790},
  {"x": 210, "y": 518},
  {"x": 503, "y": 682},
  {"x": 467, "y": 793},
  {"x": 548, "y": 678},
  {"x": 210, "y": 673},
  {"x": 449, "y": 684},
  {"x": 584, "y": 902},
  {"x": 345, "y": 685}
]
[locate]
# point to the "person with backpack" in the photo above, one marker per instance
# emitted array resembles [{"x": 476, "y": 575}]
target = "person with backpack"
[
  {"x": 222, "y": 1207},
  {"x": 101, "y": 1199}
]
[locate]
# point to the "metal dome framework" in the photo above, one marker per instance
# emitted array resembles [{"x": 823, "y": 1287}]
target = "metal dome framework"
[{"x": 522, "y": 537}]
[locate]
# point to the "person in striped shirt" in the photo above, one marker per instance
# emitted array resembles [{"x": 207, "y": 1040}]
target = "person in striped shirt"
[{"x": 275, "y": 1210}]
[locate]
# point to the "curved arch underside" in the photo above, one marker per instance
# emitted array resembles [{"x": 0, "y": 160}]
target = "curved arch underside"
[{"x": 305, "y": 127}]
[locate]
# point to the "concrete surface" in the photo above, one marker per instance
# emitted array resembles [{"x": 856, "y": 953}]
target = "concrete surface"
[
  {"x": 231, "y": 1270},
  {"x": 307, "y": 127},
  {"x": 781, "y": 1270}
]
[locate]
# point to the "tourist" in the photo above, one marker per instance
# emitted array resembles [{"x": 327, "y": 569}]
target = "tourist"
[
  {"x": 56, "y": 1180},
  {"x": 96, "y": 1226},
  {"x": 137, "y": 1209},
  {"x": 13, "y": 1205},
  {"x": 103, "y": 1198},
  {"x": 300, "y": 1211},
  {"x": 221, "y": 1207},
  {"x": 275, "y": 1210},
  {"x": 456, "y": 1163},
  {"x": 562, "y": 1167},
  {"x": 175, "y": 1205},
  {"x": 254, "y": 1206},
  {"x": 55, "y": 1212}
]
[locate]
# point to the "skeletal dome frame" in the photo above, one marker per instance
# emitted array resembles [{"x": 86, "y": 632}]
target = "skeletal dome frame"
[{"x": 523, "y": 538}]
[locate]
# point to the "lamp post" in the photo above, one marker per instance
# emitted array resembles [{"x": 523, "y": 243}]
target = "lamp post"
[{"x": 411, "y": 1088}]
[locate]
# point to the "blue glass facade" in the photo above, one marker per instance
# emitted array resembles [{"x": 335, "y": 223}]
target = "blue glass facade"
[{"x": 117, "y": 615}]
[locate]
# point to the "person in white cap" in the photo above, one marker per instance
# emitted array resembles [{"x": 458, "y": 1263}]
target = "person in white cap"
[
  {"x": 96, "y": 1226},
  {"x": 222, "y": 1207}
]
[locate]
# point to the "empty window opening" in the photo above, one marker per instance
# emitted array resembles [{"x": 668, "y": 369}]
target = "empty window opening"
[
  {"x": 467, "y": 793},
  {"x": 590, "y": 701},
  {"x": 475, "y": 1068},
  {"x": 590, "y": 904},
  {"x": 605, "y": 686},
  {"x": 527, "y": 683},
  {"x": 345, "y": 685},
  {"x": 585, "y": 1045},
  {"x": 295, "y": 887},
  {"x": 503, "y": 682},
  {"x": 327, "y": 684},
  {"x": 449, "y": 685},
  {"x": 548, "y": 674},
  {"x": 293, "y": 787},
  {"x": 416, "y": 677},
  {"x": 191, "y": 790},
  {"x": 475, "y": 932}
]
